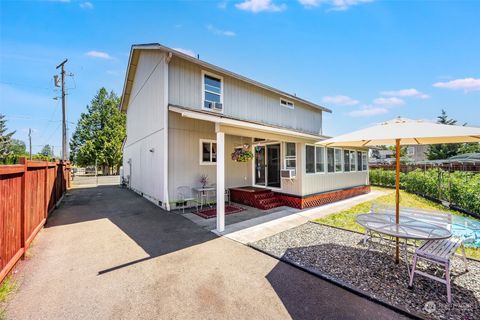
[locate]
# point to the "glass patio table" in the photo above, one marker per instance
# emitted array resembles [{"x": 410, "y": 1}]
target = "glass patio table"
[{"x": 408, "y": 229}]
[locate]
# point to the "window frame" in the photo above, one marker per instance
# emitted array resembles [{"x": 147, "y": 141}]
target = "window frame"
[
  {"x": 207, "y": 163},
  {"x": 291, "y": 106},
  {"x": 290, "y": 158},
  {"x": 315, "y": 159},
  {"x": 335, "y": 161},
  {"x": 206, "y": 73}
]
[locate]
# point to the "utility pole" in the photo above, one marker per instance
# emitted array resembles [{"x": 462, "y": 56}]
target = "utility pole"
[
  {"x": 64, "y": 111},
  {"x": 30, "y": 142}
]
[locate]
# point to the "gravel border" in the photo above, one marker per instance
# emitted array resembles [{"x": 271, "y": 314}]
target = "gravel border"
[{"x": 336, "y": 255}]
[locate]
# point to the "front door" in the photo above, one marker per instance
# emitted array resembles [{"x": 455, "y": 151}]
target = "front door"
[{"x": 267, "y": 165}]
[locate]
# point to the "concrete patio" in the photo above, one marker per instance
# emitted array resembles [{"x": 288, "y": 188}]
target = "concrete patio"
[{"x": 107, "y": 253}]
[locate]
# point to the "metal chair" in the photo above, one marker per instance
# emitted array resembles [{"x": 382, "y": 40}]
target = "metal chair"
[
  {"x": 438, "y": 252},
  {"x": 185, "y": 195}
]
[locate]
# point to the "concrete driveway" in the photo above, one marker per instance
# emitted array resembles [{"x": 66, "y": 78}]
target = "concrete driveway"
[{"x": 107, "y": 253}]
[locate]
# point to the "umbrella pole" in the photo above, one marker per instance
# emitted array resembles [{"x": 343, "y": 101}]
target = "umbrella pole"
[{"x": 397, "y": 197}]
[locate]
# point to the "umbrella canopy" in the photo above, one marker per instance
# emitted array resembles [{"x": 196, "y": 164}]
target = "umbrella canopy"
[
  {"x": 402, "y": 131},
  {"x": 410, "y": 132}
]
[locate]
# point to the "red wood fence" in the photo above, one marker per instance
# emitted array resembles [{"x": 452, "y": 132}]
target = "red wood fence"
[{"x": 29, "y": 192}]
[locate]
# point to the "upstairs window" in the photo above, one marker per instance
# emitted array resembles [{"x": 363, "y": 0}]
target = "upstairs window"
[
  {"x": 208, "y": 152},
  {"x": 287, "y": 104},
  {"x": 212, "y": 92}
]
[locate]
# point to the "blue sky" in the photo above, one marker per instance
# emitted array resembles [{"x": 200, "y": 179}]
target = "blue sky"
[{"x": 368, "y": 61}]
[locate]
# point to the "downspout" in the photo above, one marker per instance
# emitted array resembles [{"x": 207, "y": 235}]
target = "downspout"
[{"x": 166, "y": 154}]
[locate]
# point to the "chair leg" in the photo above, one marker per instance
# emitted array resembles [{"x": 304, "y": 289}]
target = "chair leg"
[
  {"x": 412, "y": 273},
  {"x": 464, "y": 257},
  {"x": 447, "y": 278}
]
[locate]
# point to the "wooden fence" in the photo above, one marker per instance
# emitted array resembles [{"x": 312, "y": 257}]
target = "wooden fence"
[{"x": 29, "y": 192}]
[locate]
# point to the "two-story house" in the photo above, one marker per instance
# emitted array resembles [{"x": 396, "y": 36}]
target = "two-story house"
[{"x": 185, "y": 118}]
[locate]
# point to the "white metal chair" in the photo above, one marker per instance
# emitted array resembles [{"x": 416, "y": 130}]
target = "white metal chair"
[
  {"x": 438, "y": 252},
  {"x": 185, "y": 195}
]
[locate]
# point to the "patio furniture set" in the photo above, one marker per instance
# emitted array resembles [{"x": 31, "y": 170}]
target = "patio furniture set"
[
  {"x": 432, "y": 228},
  {"x": 188, "y": 197}
]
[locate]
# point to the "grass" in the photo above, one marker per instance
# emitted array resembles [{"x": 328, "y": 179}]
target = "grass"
[
  {"x": 6, "y": 287},
  {"x": 346, "y": 219}
]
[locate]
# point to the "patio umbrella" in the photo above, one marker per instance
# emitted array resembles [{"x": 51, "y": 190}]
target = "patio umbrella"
[{"x": 402, "y": 131}]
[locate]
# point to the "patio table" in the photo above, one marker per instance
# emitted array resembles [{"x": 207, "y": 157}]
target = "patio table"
[
  {"x": 407, "y": 228},
  {"x": 202, "y": 194}
]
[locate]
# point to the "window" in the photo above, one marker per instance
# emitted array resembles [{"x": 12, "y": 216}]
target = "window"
[
  {"x": 212, "y": 92},
  {"x": 290, "y": 155},
  {"x": 314, "y": 159},
  {"x": 338, "y": 160},
  {"x": 208, "y": 152},
  {"x": 310, "y": 159},
  {"x": 287, "y": 104},
  {"x": 346, "y": 157},
  {"x": 362, "y": 161},
  {"x": 353, "y": 160},
  {"x": 330, "y": 160}
]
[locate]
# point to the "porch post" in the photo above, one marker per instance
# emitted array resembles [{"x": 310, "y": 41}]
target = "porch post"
[{"x": 220, "y": 179}]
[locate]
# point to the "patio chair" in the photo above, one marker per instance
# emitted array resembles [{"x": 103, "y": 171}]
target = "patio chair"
[
  {"x": 185, "y": 195},
  {"x": 438, "y": 252}
]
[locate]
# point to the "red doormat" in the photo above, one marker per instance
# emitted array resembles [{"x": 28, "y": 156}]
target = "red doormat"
[{"x": 212, "y": 212}]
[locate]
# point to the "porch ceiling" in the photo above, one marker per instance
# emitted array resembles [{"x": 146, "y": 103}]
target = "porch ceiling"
[{"x": 243, "y": 128}]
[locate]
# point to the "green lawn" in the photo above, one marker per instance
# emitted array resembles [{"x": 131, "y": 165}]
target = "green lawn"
[{"x": 346, "y": 219}]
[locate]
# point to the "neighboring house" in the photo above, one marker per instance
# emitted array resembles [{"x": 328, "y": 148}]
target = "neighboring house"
[
  {"x": 417, "y": 152},
  {"x": 185, "y": 118}
]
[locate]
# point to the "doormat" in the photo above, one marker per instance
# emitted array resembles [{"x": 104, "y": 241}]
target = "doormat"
[{"x": 212, "y": 212}]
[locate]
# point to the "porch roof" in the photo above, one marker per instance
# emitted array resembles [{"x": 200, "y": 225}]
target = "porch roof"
[{"x": 234, "y": 126}]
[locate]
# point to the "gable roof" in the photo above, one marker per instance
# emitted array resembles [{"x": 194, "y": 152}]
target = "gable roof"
[{"x": 132, "y": 66}]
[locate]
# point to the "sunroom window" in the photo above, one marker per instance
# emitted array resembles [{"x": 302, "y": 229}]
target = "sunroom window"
[
  {"x": 314, "y": 159},
  {"x": 290, "y": 155}
]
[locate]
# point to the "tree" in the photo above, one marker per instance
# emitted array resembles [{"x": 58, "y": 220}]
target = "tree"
[
  {"x": 469, "y": 148},
  {"x": 5, "y": 140},
  {"x": 443, "y": 151},
  {"x": 47, "y": 151},
  {"x": 100, "y": 132}
]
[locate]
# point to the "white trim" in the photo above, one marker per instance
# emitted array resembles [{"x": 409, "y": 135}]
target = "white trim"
[
  {"x": 287, "y": 102},
  {"x": 203, "y": 91},
  {"x": 315, "y": 160},
  {"x": 166, "y": 154},
  {"x": 200, "y": 144},
  {"x": 220, "y": 180}
]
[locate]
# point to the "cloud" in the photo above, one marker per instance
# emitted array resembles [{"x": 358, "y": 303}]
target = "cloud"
[
  {"x": 467, "y": 84},
  {"x": 406, "y": 93},
  {"x": 340, "y": 100},
  {"x": 98, "y": 54},
  {"x": 393, "y": 101},
  {"x": 260, "y": 5},
  {"x": 368, "y": 111},
  {"x": 186, "y": 51},
  {"x": 334, "y": 5},
  {"x": 86, "y": 5},
  {"x": 220, "y": 32}
]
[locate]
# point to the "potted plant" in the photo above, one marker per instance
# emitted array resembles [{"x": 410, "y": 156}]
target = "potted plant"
[{"x": 242, "y": 154}]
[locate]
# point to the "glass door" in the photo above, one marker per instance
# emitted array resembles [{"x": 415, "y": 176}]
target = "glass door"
[
  {"x": 260, "y": 165},
  {"x": 273, "y": 165}
]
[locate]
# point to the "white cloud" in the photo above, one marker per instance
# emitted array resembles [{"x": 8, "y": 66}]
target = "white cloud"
[
  {"x": 393, "y": 101},
  {"x": 334, "y": 5},
  {"x": 98, "y": 54},
  {"x": 406, "y": 93},
  {"x": 220, "y": 32},
  {"x": 186, "y": 51},
  {"x": 340, "y": 100},
  {"x": 368, "y": 111},
  {"x": 86, "y": 5},
  {"x": 260, "y": 5},
  {"x": 467, "y": 84}
]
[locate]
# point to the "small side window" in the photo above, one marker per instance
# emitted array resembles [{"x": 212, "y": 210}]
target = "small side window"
[{"x": 286, "y": 103}]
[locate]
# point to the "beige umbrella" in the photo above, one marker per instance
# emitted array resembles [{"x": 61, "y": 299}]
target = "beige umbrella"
[{"x": 402, "y": 131}]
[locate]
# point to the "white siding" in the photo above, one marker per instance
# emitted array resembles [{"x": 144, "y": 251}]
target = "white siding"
[
  {"x": 145, "y": 127},
  {"x": 241, "y": 100},
  {"x": 184, "y": 155}
]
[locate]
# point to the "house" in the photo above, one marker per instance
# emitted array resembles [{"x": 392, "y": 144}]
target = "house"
[{"x": 185, "y": 118}]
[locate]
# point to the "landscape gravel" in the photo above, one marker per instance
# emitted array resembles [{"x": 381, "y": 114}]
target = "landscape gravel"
[{"x": 339, "y": 254}]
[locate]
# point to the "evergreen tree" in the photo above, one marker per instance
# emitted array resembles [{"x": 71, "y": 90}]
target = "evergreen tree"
[
  {"x": 443, "y": 151},
  {"x": 5, "y": 140},
  {"x": 47, "y": 151},
  {"x": 99, "y": 133}
]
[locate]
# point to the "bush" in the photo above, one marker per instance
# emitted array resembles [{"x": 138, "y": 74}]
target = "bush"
[{"x": 459, "y": 188}]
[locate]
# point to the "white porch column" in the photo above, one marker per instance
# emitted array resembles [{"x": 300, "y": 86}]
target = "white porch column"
[{"x": 220, "y": 179}]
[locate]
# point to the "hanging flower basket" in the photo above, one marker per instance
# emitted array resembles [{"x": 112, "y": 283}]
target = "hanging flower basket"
[{"x": 242, "y": 154}]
